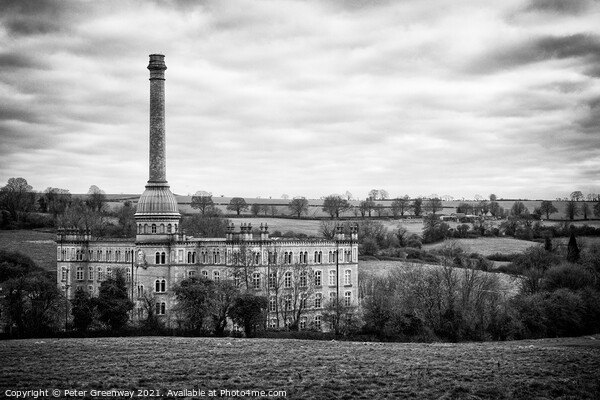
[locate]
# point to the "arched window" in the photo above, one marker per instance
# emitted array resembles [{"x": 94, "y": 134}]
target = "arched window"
[
  {"x": 108, "y": 272},
  {"x": 163, "y": 258},
  {"x": 194, "y": 257},
  {"x": 163, "y": 286},
  {"x": 79, "y": 274},
  {"x": 189, "y": 257},
  {"x": 157, "y": 258},
  {"x": 332, "y": 277},
  {"x": 287, "y": 280},
  {"x": 175, "y": 228},
  {"x": 169, "y": 228},
  {"x": 204, "y": 257},
  {"x": 90, "y": 273},
  {"x": 153, "y": 228},
  {"x": 162, "y": 228},
  {"x": 272, "y": 280},
  {"x": 100, "y": 274},
  {"x": 161, "y": 308},
  {"x": 160, "y": 285},
  {"x": 145, "y": 228}
]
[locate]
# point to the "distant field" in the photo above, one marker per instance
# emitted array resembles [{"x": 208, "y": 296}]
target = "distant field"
[
  {"x": 487, "y": 245},
  {"x": 541, "y": 369},
  {"x": 40, "y": 246}
]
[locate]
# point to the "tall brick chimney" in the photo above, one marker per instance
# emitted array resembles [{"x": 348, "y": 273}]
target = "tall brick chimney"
[
  {"x": 158, "y": 160},
  {"x": 157, "y": 215}
]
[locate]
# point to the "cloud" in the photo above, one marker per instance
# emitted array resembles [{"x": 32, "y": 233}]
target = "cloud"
[
  {"x": 308, "y": 98},
  {"x": 583, "y": 48}
]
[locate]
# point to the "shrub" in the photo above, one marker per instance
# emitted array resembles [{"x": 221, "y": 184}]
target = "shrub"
[
  {"x": 568, "y": 276},
  {"x": 502, "y": 257}
]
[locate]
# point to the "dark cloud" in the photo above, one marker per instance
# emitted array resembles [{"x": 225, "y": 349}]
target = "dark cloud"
[
  {"x": 582, "y": 46},
  {"x": 35, "y": 17},
  {"x": 590, "y": 122},
  {"x": 572, "y": 7},
  {"x": 11, "y": 61}
]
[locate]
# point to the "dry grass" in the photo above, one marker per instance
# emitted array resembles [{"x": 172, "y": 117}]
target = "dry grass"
[{"x": 551, "y": 368}]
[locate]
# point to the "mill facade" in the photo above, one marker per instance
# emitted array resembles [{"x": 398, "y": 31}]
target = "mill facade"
[{"x": 293, "y": 275}]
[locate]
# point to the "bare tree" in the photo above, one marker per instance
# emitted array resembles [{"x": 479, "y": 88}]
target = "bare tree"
[
  {"x": 202, "y": 202},
  {"x": 299, "y": 206}
]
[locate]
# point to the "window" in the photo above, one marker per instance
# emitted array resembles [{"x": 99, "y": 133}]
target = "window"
[
  {"x": 273, "y": 304},
  {"x": 318, "y": 257},
  {"x": 273, "y": 323},
  {"x": 191, "y": 274},
  {"x": 256, "y": 280},
  {"x": 347, "y": 299},
  {"x": 303, "y": 299},
  {"x": 65, "y": 274},
  {"x": 108, "y": 272},
  {"x": 100, "y": 274},
  {"x": 331, "y": 257},
  {"x": 160, "y": 285},
  {"x": 318, "y": 322},
  {"x": 216, "y": 257},
  {"x": 163, "y": 258},
  {"x": 318, "y": 300},
  {"x": 79, "y": 274},
  {"x": 194, "y": 257},
  {"x": 272, "y": 280},
  {"x": 236, "y": 280},
  {"x": 318, "y": 278},
  {"x": 332, "y": 297},
  {"x": 161, "y": 308},
  {"x": 205, "y": 274},
  {"x": 288, "y": 302},
  {"x": 204, "y": 257},
  {"x": 303, "y": 323},
  {"x": 287, "y": 280},
  {"x": 216, "y": 276},
  {"x": 256, "y": 258},
  {"x": 303, "y": 279},
  {"x": 140, "y": 290},
  {"x": 169, "y": 228},
  {"x": 153, "y": 228},
  {"x": 332, "y": 277},
  {"x": 162, "y": 228},
  {"x": 157, "y": 258},
  {"x": 347, "y": 277},
  {"x": 91, "y": 273},
  {"x": 128, "y": 275}
]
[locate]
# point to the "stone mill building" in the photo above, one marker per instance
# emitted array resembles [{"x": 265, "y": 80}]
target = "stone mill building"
[{"x": 285, "y": 271}]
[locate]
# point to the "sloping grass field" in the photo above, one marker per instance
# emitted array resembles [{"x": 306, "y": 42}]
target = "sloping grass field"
[
  {"x": 538, "y": 369},
  {"x": 40, "y": 246}
]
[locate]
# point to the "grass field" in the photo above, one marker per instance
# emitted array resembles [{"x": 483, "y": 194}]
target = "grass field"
[
  {"x": 540, "y": 369},
  {"x": 40, "y": 246},
  {"x": 487, "y": 245}
]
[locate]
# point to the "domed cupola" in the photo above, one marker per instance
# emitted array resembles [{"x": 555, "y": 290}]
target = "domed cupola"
[{"x": 157, "y": 215}]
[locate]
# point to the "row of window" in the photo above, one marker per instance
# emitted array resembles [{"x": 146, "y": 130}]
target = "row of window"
[
  {"x": 155, "y": 228},
  {"x": 73, "y": 254},
  {"x": 288, "y": 301},
  {"x": 100, "y": 275},
  {"x": 288, "y": 281}
]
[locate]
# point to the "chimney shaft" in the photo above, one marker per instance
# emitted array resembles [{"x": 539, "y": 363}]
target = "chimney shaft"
[{"x": 158, "y": 160}]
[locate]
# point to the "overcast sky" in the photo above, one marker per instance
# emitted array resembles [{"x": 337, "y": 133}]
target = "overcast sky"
[{"x": 306, "y": 98}]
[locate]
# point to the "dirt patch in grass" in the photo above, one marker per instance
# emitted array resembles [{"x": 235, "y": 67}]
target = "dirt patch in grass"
[{"x": 552, "y": 368}]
